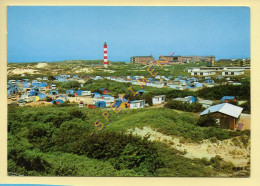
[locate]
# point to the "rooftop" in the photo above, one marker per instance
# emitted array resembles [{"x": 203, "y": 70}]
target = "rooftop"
[{"x": 224, "y": 108}]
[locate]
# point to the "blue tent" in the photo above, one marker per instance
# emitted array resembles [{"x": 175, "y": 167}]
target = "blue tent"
[
  {"x": 26, "y": 86},
  {"x": 79, "y": 92},
  {"x": 57, "y": 101},
  {"x": 104, "y": 90},
  {"x": 35, "y": 84},
  {"x": 61, "y": 79},
  {"x": 44, "y": 84},
  {"x": 97, "y": 95},
  {"x": 192, "y": 98},
  {"x": 12, "y": 89},
  {"x": 70, "y": 91},
  {"x": 190, "y": 86},
  {"x": 141, "y": 91},
  {"x": 19, "y": 81},
  {"x": 53, "y": 92},
  {"x": 121, "y": 100},
  {"x": 107, "y": 96},
  {"x": 197, "y": 84},
  {"x": 42, "y": 96},
  {"x": 209, "y": 81},
  {"x": 117, "y": 104},
  {"x": 224, "y": 98},
  {"x": 33, "y": 93},
  {"x": 101, "y": 104}
]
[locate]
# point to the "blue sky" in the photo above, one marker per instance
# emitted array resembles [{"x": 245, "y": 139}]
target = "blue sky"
[{"x": 66, "y": 33}]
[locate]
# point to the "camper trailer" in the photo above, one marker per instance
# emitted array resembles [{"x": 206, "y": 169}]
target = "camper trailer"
[
  {"x": 137, "y": 104},
  {"x": 158, "y": 99},
  {"x": 86, "y": 93}
]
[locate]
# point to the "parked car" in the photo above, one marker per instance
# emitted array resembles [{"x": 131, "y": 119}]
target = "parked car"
[
  {"x": 81, "y": 104},
  {"x": 91, "y": 106}
]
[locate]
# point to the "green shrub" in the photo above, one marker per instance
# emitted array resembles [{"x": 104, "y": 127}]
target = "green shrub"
[
  {"x": 193, "y": 107},
  {"x": 206, "y": 121}
]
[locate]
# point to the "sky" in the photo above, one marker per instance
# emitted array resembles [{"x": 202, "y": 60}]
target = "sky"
[{"x": 57, "y": 33}]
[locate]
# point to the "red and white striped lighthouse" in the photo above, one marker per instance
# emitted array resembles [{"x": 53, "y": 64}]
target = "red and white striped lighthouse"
[{"x": 105, "y": 55}]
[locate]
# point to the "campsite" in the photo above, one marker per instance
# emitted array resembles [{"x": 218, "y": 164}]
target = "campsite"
[{"x": 161, "y": 118}]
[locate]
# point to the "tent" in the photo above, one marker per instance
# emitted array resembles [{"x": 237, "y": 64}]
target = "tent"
[
  {"x": 120, "y": 104},
  {"x": 96, "y": 95},
  {"x": 101, "y": 104},
  {"x": 44, "y": 84},
  {"x": 79, "y": 92},
  {"x": 33, "y": 93},
  {"x": 41, "y": 96},
  {"x": 57, "y": 101},
  {"x": 53, "y": 92},
  {"x": 104, "y": 90},
  {"x": 228, "y": 98},
  {"x": 36, "y": 98},
  {"x": 192, "y": 98},
  {"x": 70, "y": 91},
  {"x": 197, "y": 84}
]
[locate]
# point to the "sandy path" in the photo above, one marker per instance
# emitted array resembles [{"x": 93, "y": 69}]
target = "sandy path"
[
  {"x": 246, "y": 120},
  {"x": 237, "y": 154}
]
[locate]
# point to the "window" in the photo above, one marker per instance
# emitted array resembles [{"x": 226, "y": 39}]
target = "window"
[{"x": 218, "y": 121}]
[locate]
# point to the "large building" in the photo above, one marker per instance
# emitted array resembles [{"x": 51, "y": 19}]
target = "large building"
[
  {"x": 187, "y": 59},
  {"x": 142, "y": 59},
  {"x": 172, "y": 59},
  {"x": 230, "y": 63}
]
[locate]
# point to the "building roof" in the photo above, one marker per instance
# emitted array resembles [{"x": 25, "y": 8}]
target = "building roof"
[
  {"x": 143, "y": 56},
  {"x": 224, "y": 108},
  {"x": 182, "y": 99},
  {"x": 233, "y": 70},
  {"x": 227, "y": 98},
  {"x": 159, "y": 96},
  {"x": 209, "y": 102},
  {"x": 107, "y": 96},
  {"x": 136, "y": 101}
]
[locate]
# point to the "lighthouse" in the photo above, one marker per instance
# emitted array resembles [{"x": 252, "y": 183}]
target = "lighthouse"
[{"x": 105, "y": 55}]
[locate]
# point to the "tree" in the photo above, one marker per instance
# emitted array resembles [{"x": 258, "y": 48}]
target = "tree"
[
  {"x": 206, "y": 121},
  {"x": 148, "y": 98}
]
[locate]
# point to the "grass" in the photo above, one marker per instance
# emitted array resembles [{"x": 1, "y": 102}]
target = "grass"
[{"x": 34, "y": 131}]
